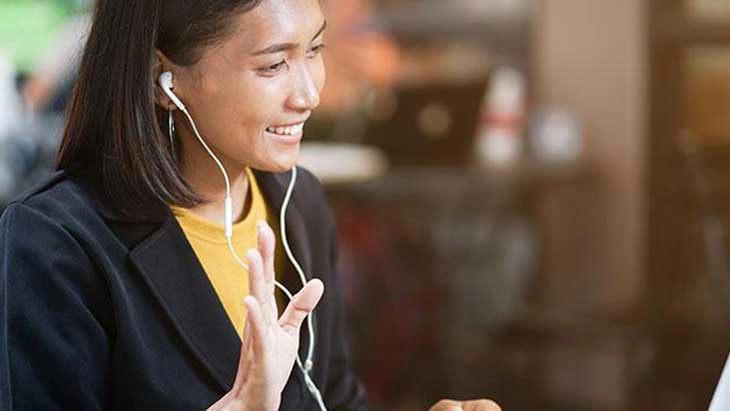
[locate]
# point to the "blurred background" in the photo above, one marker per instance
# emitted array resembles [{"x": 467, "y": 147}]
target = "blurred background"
[{"x": 533, "y": 196}]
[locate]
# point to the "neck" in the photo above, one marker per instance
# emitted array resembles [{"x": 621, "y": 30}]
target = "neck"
[{"x": 206, "y": 178}]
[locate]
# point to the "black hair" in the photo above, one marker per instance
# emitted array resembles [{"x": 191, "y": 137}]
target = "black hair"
[{"x": 113, "y": 125}]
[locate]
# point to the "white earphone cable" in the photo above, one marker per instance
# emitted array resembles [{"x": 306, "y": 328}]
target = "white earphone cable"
[
  {"x": 228, "y": 223},
  {"x": 297, "y": 267},
  {"x": 210, "y": 152}
]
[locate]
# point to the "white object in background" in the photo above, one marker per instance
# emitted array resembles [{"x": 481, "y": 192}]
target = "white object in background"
[
  {"x": 499, "y": 141},
  {"x": 721, "y": 398},
  {"x": 499, "y": 10},
  {"x": 11, "y": 112},
  {"x": 556, "y": 136},
  {"x": 336, "y": 163}
]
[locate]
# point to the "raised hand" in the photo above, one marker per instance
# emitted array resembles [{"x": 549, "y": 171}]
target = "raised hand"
[{"x": 270, "y": 343}]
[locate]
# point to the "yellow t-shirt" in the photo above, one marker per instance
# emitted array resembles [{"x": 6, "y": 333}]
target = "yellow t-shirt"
[{"x": 208, "y": 240}]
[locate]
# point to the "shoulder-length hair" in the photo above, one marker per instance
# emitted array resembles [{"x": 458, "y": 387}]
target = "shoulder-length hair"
[{"x": 113, "y": 125}]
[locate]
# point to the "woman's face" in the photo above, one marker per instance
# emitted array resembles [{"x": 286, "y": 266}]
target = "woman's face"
[{"x": 251, "y": 94}]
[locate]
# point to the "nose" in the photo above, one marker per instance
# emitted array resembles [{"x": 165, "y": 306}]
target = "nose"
[{"x": 305, "y": 93}]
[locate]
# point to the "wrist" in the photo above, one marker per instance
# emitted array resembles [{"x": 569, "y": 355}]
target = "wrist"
[{"x": 259, "y": 398}]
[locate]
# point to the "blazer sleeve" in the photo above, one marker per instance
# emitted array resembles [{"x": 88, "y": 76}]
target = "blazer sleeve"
[
  {"x": 53, "y": 348},
  {"x": 344, "y": 390}
]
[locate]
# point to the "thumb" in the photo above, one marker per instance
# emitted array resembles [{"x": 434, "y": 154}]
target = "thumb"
[{"x": 301, "y": 304}]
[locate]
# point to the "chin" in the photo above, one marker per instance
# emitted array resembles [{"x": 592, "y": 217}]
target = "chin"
[{"x": 283, "y": 162}]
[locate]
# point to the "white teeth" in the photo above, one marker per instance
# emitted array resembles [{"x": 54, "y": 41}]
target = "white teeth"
[{"x": 289, "y": 131}]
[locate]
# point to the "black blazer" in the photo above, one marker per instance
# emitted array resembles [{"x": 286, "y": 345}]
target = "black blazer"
[{"x": 102, "y": 311}]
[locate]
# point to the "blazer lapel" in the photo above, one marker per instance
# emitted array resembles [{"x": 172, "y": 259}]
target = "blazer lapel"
[
  {"x": 168, "y": 263},
  {"x": 165, "y": 259}
]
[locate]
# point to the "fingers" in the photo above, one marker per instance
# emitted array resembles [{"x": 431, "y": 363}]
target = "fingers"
[
  {"x": 301, "y": 304},
  {"x": 480, "y": 405},
  {"x": 257, "y": 324},
  {"x": 257, "y": 284},
  {"x": 255, "y": 275},
  {"x": 475, "y": 405},
  {"x": 267, "y": 246},
  {"x": 446, "y": 405},
  {"x": 246, "y": 346}
]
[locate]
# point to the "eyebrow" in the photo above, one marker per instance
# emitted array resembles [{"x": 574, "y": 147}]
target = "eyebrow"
[{"x": 278, "y": 48}]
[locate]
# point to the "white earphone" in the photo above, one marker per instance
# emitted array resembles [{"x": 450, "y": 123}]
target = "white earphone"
[
  {"x": 165, "y": 81},
  {"x": 166, "y": 84}
]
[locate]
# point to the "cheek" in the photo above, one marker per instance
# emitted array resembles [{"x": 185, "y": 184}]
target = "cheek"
[
  {"x": 320, "y": 74},
  {"x": 257, "y": 107}
]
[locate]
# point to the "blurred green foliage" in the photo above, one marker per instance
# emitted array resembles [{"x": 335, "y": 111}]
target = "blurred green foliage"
[{"x": 27, "y": 27}]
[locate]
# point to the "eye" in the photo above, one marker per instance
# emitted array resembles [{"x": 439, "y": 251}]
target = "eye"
[
  {"x": 274, "y": 68},
  {"x": 316, "y": 50}
]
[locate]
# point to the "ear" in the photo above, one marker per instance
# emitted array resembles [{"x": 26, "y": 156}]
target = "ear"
[{"x": 162, "y": 64}]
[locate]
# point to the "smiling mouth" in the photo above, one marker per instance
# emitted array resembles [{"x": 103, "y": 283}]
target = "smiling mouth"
[{"x": 291, "y": 130}]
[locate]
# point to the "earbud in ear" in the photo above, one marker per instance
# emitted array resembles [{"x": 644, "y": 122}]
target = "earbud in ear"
[
  {"x": 166, "y": 84},
  {"x": 166, "y": 79}
]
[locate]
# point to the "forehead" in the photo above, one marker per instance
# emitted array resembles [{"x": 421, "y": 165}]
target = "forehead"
[{"x": 276, "y": 21}]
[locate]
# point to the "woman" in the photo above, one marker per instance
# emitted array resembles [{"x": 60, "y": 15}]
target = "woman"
[{"x": 120, "y": 287}]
